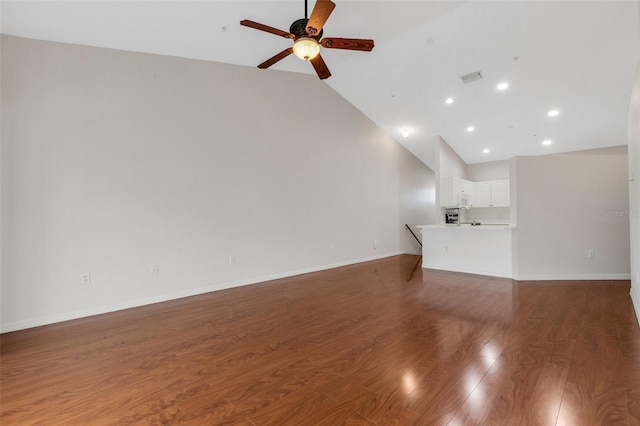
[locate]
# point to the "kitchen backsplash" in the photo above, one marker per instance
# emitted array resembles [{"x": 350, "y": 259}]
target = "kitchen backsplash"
[{"x": 485, "y": 215}]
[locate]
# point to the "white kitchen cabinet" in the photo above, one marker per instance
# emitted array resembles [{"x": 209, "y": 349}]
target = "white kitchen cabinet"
[
  {"x": 450, "y": 190},
  {"x": 482, "y": 195},
  {"x": 462, "y": 185},
  {"x": 500, "y": 193},
  {"x": 493, "y": 193}
]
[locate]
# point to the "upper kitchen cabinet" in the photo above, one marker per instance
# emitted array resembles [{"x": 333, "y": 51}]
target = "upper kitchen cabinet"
[
  {"x": 462, "y": 185},
  {"x": 494, "y": 193},
  {"x": 500, "y": 193},
  {"x": 452, "y": 188}
]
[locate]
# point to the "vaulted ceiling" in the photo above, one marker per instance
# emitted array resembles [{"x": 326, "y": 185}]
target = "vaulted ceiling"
[{"x": 576, "y": 57}]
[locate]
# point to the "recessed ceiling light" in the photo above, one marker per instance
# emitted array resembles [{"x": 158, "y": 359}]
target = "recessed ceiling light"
[
  {"x": 553, "y": 113},
  {"x": 502, "y": 86},
  {"x": 470, "y": 129},
  {"x": 448, "y": 101},
  {"x": 405, "y": 133},
  {"x": 486, "y": 150},
  {"x": 547, "y": 142}
]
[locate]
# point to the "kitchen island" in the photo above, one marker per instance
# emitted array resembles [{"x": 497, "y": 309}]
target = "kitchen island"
[{"x": 483, "y": 249}]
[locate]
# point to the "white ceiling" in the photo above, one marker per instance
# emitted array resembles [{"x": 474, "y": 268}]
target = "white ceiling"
[{"x": 576, "y": 56}]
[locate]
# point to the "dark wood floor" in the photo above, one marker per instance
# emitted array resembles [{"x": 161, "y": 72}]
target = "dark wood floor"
[{"x": 357, "y": 345}]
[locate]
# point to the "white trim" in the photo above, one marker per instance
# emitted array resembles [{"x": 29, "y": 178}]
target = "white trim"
[
  {"x": 470, "y": 271},
  {"x": 51, "y": 319},
  {"x": 540, "y": 277},
  {"x": 571, "y": 277}
]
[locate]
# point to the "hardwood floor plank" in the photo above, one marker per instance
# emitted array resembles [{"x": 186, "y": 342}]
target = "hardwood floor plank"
[
  {"x": 391, "y": 383},
  {"x": 282, "y": 393},
  {"x": 357, "y": 345},
  {"x": 357, "y": 420},
  {"x": 443, "y": 392},
  {"x": 596, "y": 391},
  {"x": 630, "y": 349},
  {"x": 477, "y": 406},
  {"x": 632, "y": 384}
]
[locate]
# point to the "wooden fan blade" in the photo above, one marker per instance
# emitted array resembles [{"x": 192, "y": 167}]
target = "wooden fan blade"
[
  {"x": 320, "y": 67},
  {"x": 272, "y": 60},
  {"x": 319, "y": 16},
  {"x": 266, "y": 28},
  {"x": 347, "y": 43}
]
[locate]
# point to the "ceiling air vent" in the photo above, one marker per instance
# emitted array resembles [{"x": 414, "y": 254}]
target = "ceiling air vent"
[{"x": 470, "y": 78}]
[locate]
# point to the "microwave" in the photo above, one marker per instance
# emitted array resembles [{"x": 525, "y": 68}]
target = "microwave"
[{"x": 463, "y": 200}]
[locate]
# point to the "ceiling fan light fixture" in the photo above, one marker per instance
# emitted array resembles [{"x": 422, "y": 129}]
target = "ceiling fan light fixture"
[
  {"x": 306, "y": 34},
  {"x": 306, "y": 48}
]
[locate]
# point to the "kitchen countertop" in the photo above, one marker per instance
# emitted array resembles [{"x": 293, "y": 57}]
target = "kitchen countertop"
[{"x": 482, "y": 227}]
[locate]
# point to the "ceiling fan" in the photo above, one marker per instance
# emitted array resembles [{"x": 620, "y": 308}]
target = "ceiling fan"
[{"x": 306, "y": 34}]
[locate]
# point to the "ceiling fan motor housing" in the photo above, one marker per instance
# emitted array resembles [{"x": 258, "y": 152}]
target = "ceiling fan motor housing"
[{"x": 299, "y": 29}]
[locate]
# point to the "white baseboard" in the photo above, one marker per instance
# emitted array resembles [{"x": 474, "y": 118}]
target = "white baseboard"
[
  {"x": 540, "y": 277},
  {"x": 571, "y": 277},
  {"x": 52, "y": 319},
  {"x": 471, "y": 271}
]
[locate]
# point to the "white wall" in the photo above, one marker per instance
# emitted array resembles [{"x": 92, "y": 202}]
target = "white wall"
[
  {"x": 448, "y": 165},
  {"x": 417, "y": 198},
  {"x": 570, "y": 203},
  {"x": 116, "y": 161},
  {"x": 491, "y": 170},
  {"x": 634, "y": 190}
]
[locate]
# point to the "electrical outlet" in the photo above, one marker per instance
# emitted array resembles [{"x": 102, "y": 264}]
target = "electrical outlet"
[
  {"x": 232, "y": 260},
  {"x": 155, "y": 270},
  {"x": 85, "y": 279},
  {"x": 375, "y": 244},
  {"x": 590, "y": 254}
]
